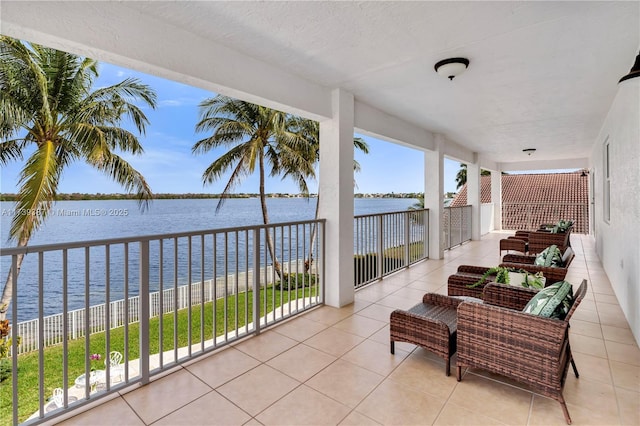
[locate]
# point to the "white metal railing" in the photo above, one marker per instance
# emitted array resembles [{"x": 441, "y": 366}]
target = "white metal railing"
[
  {"x": 93, "y": 273},
  {"x": 457, "y": 225},
  {"x": 387, "y": 242},
  {"x": 53, "y": 324}
]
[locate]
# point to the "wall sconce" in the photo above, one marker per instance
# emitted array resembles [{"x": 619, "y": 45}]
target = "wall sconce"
[
  {"x": 452, "y": 67},
  {"x": 529, "y": 151},
  {"x": 635, "y": 71}
]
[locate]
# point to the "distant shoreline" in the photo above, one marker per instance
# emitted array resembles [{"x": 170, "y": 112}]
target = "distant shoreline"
[{"x": 81, "y": 197}]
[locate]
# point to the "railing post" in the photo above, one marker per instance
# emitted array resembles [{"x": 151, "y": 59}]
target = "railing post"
[
  {"x": 256, "y": 280},
  {"x": 407, "y": 240},
  {"x": 144, "y": 311},
  {"x": 380, "y": 247},
  {"x": 426, "y": 232}
]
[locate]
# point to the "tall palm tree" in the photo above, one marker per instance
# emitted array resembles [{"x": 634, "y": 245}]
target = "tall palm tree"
[
  {"x": 461, "y": 176},
  {"x": 310, "y": 130},
  {"x": 258, "y": 137},
  {"x": 49, "y": 113}
]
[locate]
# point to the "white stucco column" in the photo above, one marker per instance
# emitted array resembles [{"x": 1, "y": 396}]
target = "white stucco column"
[
  {"x": 496, "y": 199},
  {"x": 473, "y": 199},
  {"x": 336, "y": 199},
  {"x": 434, "y": 195}
]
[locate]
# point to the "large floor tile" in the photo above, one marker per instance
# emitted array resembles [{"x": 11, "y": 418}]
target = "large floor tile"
[
  {"x": 301, "y": 362},
  {"x": 629, "y": 354},
  {"x": 425, "y": 375},
  {"x": 377, "y": 312},
  {"x": 211, "y": 408},
  {"x": 345, "y": 382},
  {"x": 266, "y": 345},
  {"x": 328, "y": 315},
  {"x": 391, "y": 403},
  {"x": 334, "y": 341},
  {"x": 454, "y": 415},
  {"x": 493, "y": 399},
  {"x": 300, "y": 329},
  {"x": 116, "y": 411},
  {"x": 583, "y": 392},
  {"x": 359, "y": 325},
  {"x": 629, "y": 404},
  {"x": 548, "y": 412},
  {"x": 304, "y": 406},
  {"x": 375, "y": 356},
  {"x": 356, "y": 419},
  {"x": 165, "y": 395},
  {"x": 223, "y": 366},
  {"x": 259, "y": 388},
  {"x": 618, "y": 334},
  {"x": 625, "y": 375}
]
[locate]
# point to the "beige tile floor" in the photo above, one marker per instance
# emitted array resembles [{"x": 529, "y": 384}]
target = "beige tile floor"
[{"x": 333, "y": 366}]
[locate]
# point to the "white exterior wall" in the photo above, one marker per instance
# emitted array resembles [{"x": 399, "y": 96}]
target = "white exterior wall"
[{"x": 617, "y": 241}]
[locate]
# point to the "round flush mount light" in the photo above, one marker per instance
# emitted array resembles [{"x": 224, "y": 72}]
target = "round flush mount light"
[
  {"x": 451, "y": 67},
  {"x": 529, "y": 151}
]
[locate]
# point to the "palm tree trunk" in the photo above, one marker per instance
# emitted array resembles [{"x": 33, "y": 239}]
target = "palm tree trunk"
[
  {"x": 265, "y": 219},
  {"x": 7, "y": 293},
  {"x": 314, "y": 231}
]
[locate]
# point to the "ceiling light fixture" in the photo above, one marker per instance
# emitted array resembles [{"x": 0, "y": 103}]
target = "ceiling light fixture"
[
  {"x": 635, "y": 71},
  {"x": 451, "y": 67},
  {"x": 529, "y": 151}
]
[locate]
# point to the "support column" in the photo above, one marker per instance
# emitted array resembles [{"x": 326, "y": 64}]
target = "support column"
[
  {"x": 473, "y": 199},
  {"x": 434, "y": 196},
  {"x": 496, "y": 199},
  {"x": 336, "y": 199}
]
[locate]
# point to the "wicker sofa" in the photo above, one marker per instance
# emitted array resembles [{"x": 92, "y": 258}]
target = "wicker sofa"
[
  {"x": 467, "y": 275},
  {"x": 551, "y": 273},
  {"x": 497, "y": 337}
]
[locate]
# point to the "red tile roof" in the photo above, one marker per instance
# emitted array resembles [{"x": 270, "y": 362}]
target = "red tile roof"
[{"x": 531, "y": 199}]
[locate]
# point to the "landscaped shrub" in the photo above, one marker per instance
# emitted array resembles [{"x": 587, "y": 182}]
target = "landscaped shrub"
[{"x": 295, "y": 281}]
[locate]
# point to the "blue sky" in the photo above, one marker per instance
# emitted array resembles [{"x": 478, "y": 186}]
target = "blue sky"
[{"x": 169, "y": 166}]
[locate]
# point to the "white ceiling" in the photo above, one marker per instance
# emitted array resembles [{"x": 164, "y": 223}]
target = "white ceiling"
[{"x": 541, "y": 74}]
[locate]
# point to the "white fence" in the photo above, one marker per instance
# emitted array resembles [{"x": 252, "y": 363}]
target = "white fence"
[{"x": 53, "y": 324}]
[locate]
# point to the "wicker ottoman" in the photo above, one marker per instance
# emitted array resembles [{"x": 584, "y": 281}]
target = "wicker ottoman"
[{"x": 431, "y": 324}]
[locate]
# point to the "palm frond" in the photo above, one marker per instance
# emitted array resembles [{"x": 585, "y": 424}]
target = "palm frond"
[
  {"x": 123, "y": 173},
  {"x": 11, "y": 150},
  {"x": 38, "y": 185}
]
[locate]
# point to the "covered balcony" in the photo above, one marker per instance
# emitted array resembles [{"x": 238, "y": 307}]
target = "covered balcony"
[
  {"x": 333, "y": 366},
  {"x": 540, "y": 75}
]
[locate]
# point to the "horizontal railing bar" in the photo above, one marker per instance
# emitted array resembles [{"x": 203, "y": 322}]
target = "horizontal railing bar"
[
  {"x": 9, "y": 251},
  {"x": 388, "y": 213}
]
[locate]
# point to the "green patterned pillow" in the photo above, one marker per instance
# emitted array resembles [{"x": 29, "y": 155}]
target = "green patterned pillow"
[
  {"x": 551, "y": 256},
  {"x": 552, "y": 302}
]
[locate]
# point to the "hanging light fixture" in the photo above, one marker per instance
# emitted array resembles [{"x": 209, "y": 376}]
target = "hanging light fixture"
[
  {"x": 529, "y": 151},
  {"x": 635, "y": 71},
  {"x": 451, "y": 67}
]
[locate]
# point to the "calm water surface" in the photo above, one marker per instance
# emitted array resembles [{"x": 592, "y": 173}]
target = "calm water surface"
[{"x": 71, "y": 221}]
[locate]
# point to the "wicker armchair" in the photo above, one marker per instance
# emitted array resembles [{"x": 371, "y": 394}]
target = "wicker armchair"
[
  {"x": 540, "y": 240},
  {"x": 530, "y": 349},
  {"x": 514, "y": 244},
  {"x": 551, "y": 273},
  {"x": 458, "y": 283}
]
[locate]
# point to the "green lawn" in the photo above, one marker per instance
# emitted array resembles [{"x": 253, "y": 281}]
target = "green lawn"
[{"x": 28, "y": 363}]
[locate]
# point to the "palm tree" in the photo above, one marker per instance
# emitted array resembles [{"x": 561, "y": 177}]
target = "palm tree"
[
  {"x": 49, "y": 114},
  {"x": 257, "y": 137},
  {"x": 310, "y": 129},
  {"x": 461, "y": 176}
]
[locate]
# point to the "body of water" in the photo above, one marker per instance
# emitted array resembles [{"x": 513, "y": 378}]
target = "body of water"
[{"x": 71, "y": 221}]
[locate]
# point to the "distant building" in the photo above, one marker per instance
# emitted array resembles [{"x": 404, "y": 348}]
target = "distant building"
[{"x": 531, "y": 199}]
